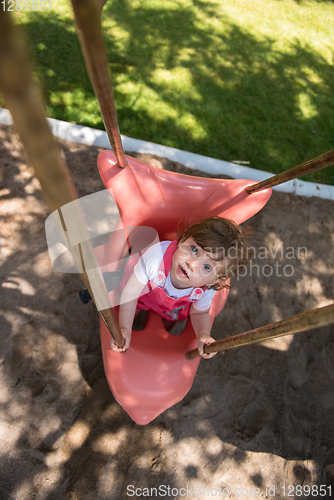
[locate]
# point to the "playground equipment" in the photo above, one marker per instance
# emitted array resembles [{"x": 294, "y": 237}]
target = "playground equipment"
[{"x": 156, "y": 371}]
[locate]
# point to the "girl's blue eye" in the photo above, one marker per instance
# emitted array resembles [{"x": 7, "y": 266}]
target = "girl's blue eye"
[
  {"x": 195, "y": 250},
  {"x": 207, "y": 267}
]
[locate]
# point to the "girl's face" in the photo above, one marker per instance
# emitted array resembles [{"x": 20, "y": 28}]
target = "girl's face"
[{"x": 194, "y": 267}]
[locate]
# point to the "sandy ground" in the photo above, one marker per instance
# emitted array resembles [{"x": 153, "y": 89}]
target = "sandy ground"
[{"x": 258, "y": 421}]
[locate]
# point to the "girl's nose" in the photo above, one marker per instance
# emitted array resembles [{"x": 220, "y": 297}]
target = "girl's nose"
[
  {"x": 191, "y": 264},
  {"x": 194, "y": 265}
]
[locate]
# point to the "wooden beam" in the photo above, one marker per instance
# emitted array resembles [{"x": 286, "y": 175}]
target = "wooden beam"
[
  {"x": 23, "y": 98},
  {"x": 88, "y": 19},
  {"x": 299, "y": 323},
  {"x": 322, "y": 161}
]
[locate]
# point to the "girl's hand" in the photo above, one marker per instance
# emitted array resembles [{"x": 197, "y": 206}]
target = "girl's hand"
[
  {"x": 202, "y": 341},
  {"x": 127, "y": 338}
]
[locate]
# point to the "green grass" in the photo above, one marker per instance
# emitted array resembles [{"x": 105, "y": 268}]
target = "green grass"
[{"x": 249, "y": 81}]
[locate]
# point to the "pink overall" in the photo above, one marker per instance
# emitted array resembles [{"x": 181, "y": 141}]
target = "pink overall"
[{"x": 157, "y": 299}]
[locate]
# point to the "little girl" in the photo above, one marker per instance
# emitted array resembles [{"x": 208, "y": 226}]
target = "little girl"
[{"x": 180, "y": 278}]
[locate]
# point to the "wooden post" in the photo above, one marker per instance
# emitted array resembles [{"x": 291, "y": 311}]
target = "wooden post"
[
  {"x": 322, "y": 161},
  {"x": 23, "y": 99},
  {"x": 299, "y": 323},
  {"x": 88, "y": 19}
]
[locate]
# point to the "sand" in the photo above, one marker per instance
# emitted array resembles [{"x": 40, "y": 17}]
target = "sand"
[{"x": 258, "y": 421}]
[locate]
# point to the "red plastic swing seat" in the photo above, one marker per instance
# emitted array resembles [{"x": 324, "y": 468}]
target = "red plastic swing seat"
[{"x": 153, "y": 374}]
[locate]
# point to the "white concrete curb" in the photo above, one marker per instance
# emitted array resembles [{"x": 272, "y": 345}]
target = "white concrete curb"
[{"x": 92, "y": 137}]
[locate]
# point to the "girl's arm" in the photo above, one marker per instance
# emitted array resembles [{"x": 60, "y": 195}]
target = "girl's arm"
[
  {"x": 127, "y": 309},
  {"x": 201, "y": 323}
]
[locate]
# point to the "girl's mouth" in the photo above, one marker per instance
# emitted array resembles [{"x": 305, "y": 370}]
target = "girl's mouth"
[{"x": 183, "y": 271}]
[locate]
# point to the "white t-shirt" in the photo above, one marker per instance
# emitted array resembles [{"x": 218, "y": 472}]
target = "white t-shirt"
[{"x": 148, "y": 266}]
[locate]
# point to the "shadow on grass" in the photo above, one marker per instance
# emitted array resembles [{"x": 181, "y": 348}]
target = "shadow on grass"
[{"x": 242, "y": 98}]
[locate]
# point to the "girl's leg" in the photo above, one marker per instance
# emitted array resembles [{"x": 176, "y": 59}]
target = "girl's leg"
[
  {"x": 168, "y": 324},
  {"x": 137, "y": 313},
  {"x": 140, "y": 319}
]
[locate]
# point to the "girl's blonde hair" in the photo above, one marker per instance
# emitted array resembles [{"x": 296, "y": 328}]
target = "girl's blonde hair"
[{"x": 223, "y": 237}]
